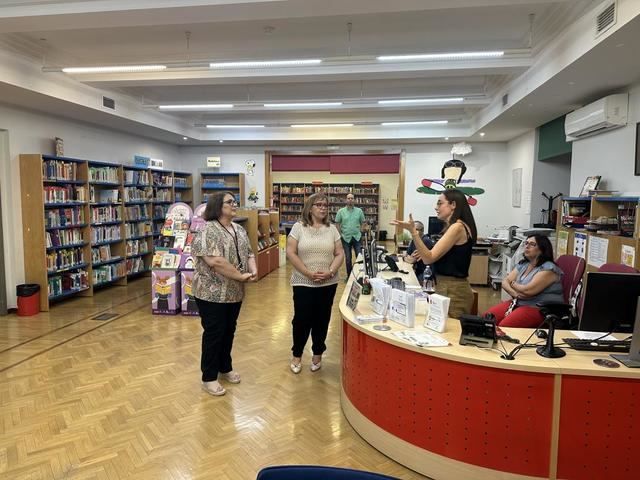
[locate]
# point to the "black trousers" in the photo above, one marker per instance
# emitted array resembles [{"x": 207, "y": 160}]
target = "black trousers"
[
  {"x": 219, "y": 326},
  {"x": 312, "y": 312}
]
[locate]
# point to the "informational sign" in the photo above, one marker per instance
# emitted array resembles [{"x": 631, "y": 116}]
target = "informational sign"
[
  {"x": 580, "y": 245},
  {"x": 354, "y": 296},
  {"x": 563, "y": 240},
  {"x": 140, "y": 161},
  {"x": 156, "y": 163},
  {"x": 628, "y": 256},
  {"x": 598, "y": 251},
  {"x": 214, "y": 162}
]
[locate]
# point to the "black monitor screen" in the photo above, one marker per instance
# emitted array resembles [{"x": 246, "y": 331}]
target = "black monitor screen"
[
  {"x": 610, "y": 302},
  {"x": 435, "y": 226}
]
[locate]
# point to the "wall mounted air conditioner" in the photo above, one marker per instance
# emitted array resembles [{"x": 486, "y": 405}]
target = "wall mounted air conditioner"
[{"x": 597, "y": 117}]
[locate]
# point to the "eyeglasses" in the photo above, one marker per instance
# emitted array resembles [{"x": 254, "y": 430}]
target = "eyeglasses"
[
  {"x": 530, "y": 244},
  {"x": 230, "y": 202},
  {"x": 321, "y": 205}
]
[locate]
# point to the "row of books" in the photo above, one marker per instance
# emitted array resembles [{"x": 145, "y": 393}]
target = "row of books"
[
  {"x": 55, "y": 194},
  {"x": 162, "y": 179},
  {"x": 66, "y": 258},
  {"x": 109, "y": 213},
  {"x": 102, "y": 254},
  {"x": 68, "y": 281},
  {"x": 138, "y": 212},
  {"x": 104, "y": 174},
  {"x": 266, "y": 242},
  {"x": 98, "y": 195},
  {"x": 160, "y": 211},
  {"x": 135, "y": 194},
  {"x": 64, "y": 216},
  {"x": 138, "y": 177},
  {"x": 136, "y": 247},
  {"x": 162, "y": 196},
  {"x": 108, "y": 273},
  {"x": 59, "y": 170},
  {"x": 60, "y": 238},
  {"x": 105, "y": 234},
  {"x": 138, "y": 229},
  {"x": 135, "y": 265},
  {"x": 180, "y": 181}
]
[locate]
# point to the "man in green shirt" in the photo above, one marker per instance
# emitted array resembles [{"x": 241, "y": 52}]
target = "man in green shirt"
[{"x": 349, "y": 221}]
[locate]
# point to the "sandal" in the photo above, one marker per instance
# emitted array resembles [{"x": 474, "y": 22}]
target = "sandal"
[
  {"x": 295, "y": 367},
  {"x": 213, "y": 388},
  {"x": 315, "y": 366},
  {"x": 231, "y": 377}
]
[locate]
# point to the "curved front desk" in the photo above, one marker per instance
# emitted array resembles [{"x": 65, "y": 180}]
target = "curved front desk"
[{"x": 463, "y": 413}]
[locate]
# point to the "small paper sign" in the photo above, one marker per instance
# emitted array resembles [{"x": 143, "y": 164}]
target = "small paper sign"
[{"x": 214, "y": 162}]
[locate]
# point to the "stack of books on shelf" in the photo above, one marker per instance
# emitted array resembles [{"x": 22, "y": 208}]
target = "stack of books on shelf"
[
  {"x": 67, "y": 282},
  {"x": 137, "y": 177},
  {"x": 108, "y": 273},
  {"x": 103, "y": 174},
  {"x": 64, "y": 259},
  {"x": 61, "y": 238},
  {"x": 66, "y": 194},
  {"x": 64, "y": 216},
  {"x": 104, "y": 195},
  {"x": 59, "y": 170},
  {"x": 603, "y": 225}
]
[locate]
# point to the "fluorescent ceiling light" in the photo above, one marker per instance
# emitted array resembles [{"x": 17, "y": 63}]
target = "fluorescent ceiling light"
[
  {"x": 235, "y": 126},
  {"x": 116, "y": 69},
  {"x": 426, "y": 122},
  {"x": 265, "y": 64},
  {"x": 418, "y": 101},
  {"x": 322, "y": 125},
  {"x": 441, "y": 56},
  {"x": 303, "y": 105},
  {"x": 204, "y": 106}
]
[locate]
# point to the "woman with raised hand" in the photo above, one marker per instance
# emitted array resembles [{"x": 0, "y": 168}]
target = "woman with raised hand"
[{"x": 450, "y": 257}]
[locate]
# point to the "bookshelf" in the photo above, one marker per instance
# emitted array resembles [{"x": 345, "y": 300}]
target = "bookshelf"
[
  {"x": 183, "y": 188},
  {"x": 262, "y": 226},
  {"x": 289, "y": 199},
  {"x": 55, "y": 226},
  {"x": 607, "y": 217},
  {"x": 107, "y": 228},
  {"x": 139, "y": 197},
  {"x": 211, "y": 182}
]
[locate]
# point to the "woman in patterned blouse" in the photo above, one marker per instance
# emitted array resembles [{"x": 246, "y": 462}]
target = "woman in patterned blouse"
[
  {"x": 315, "y": 250},
  {"x": 224, "y": 262}
]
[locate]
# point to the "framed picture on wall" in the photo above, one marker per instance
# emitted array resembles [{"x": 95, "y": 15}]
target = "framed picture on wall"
[
  {"x": 591, "y": 183},
  {"x": 637, "y": 172}
]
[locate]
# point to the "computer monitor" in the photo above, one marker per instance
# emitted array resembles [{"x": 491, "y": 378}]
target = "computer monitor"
[
  {"x": 435, "y": 226},
  {"x": 610, "y": 302}
]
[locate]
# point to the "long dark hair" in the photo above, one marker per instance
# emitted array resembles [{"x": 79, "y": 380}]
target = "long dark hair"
[
  {"x": 213, "y": 210},
  {"x": 462, "y": 211},
  {"x": 546, "y": 250}
]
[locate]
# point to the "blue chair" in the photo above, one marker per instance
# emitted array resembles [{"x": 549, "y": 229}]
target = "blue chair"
[{"x": 317, "y": 472}]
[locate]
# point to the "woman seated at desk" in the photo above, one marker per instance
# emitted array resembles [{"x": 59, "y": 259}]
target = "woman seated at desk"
[{"x": 535, "y": 279}]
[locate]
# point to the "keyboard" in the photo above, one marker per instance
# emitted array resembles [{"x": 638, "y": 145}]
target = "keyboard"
[{"x": 619, "y": 346}]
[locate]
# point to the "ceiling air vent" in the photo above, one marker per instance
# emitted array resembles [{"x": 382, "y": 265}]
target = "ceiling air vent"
[
  {"x": 606, "y": 18},
  {"x": 109, "y": 103}
]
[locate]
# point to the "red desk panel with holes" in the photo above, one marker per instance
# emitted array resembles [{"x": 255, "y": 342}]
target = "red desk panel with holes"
[{"x": 497, "y": 419}]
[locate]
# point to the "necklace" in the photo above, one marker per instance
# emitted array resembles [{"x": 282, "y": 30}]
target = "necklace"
[{"x": 234, "y": 236}]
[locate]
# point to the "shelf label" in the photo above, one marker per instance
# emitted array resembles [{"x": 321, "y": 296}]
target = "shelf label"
[{"x": 214, "y": 162}]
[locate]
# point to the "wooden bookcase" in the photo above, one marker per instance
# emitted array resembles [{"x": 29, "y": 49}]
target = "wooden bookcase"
[
  {"x": 262, "y": 226},
  {"x": 55, "y": 205},
  {"x": 183, "y": 188},
  {"x": 625, "y": 209},
  {"x": 289, "y": 199},
  {"x": 110, "y": 221},
  {"x": 211, "y": 182},
  {"x": 108, "y": 259},
  {"x": 139, "y": 214}
]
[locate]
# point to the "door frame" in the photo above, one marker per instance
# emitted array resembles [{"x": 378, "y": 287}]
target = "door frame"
[{"x": 4, "y": 157}]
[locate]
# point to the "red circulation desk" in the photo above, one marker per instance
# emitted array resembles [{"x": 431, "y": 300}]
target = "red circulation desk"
[{"x": 464, "y": 413}]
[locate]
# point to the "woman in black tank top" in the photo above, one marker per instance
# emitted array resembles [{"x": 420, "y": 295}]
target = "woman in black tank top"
[{"x": 451, "y": 255}]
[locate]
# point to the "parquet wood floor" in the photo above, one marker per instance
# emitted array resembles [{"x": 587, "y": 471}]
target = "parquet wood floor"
[{"x": 121, "y": 399}]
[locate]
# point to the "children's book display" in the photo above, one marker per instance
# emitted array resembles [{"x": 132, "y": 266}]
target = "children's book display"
[{"x": 172, "y": 265}]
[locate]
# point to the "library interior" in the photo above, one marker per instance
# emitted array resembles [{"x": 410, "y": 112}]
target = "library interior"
[{"x": 290, "y": 239}]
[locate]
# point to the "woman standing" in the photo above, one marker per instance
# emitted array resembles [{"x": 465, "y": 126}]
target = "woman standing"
[
  {"x": 536, "y": 278},
  {"x": 451, "y": 255},
  {"x": 223, "y": 263},
  {"x": 315, "y": 250}
]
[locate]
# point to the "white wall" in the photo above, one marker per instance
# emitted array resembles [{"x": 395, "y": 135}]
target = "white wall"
[
  {"x": 552, "y": 178},
  {"x": 233, "y": 160},
  {"x": 486, "y": 165},
  {"x": 521, "y": 153},
  {"x": 610, "y": 155},
  {"x": 33, "y": 132}
]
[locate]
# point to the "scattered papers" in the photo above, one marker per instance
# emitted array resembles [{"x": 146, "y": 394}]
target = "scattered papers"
[
  {"x": 422, "y": 339},
  {"x": 592, "y": 335}
]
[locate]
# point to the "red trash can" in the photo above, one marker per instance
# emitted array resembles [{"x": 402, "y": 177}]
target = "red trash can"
[{"x": 28, "y": 299}]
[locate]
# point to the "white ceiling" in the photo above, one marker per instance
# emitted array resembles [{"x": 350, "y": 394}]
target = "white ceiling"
[{"x": 110, "y": 32}]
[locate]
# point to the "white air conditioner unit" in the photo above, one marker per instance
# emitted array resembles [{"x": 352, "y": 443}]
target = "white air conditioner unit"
[{"x": 597, "y": 117}]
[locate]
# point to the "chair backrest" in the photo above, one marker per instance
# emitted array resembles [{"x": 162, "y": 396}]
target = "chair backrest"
[
  {"x": 573, "y": 268},
  {"x": 617, "y": 268},
  {"x": 317, "y": 472}
]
